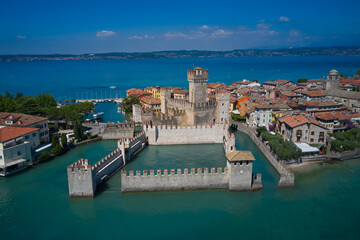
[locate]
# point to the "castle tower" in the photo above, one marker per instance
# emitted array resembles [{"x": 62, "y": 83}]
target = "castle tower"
[
  {"x": 222, "y": 107},
  {"x": 333, "y": 80},
  {"x": 165, "y": 94},
  {"x": 240, "y": 166},
  {"x": 197, "y": 78}
]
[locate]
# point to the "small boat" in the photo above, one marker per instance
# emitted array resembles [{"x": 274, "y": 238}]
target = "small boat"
[
  {"x": 98, "y": 115},
  {"x": 112, "y": 87}
]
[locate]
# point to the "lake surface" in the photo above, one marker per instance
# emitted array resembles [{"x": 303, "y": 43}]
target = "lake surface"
[
  {"x": 324, "y": 205},
  {"x": 93, "y": 78}
]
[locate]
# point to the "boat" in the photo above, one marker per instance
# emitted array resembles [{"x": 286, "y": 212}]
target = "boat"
[{"x": 98, "y": 115}]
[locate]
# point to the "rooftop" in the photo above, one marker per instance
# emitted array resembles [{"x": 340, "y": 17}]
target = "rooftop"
[
  {"x": 8, "y": 133},
  {"x": 236, "y": 156},
  {"x": 19, "y": 119}
]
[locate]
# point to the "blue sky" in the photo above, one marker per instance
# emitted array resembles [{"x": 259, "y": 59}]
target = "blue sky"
[{"x": 51, "y": 26}]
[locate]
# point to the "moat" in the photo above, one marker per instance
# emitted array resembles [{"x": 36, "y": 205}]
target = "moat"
[{"x": 36, "y": 203}]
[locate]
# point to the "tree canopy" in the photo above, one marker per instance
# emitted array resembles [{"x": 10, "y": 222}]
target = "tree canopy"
[
  {"x": 127, "y": 103},
  {"x": 302, "y": 80}
]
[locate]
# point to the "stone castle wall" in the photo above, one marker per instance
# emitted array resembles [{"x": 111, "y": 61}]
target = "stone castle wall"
[
  {"x": 174, "y": 134},
  {"x": 116, "y": 131},
  {"x": 182, "y": 180},
  {"x": 84, "y": 178}
]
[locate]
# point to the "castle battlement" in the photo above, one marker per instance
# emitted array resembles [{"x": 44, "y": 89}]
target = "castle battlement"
[
  {"x": 130, "y": 141},
  {"x": 107, "y": 159},
  {"x": 80, "y": 164},
  {"x": 178, "y": 172},
  {"x": 198, "y": 74}
]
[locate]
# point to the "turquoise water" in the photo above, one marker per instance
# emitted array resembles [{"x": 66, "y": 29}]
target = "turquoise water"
[
  {"x": 324, "y": 205},
  {"x": 110, "y": 112},
  {"x": 93, "y": 78}
]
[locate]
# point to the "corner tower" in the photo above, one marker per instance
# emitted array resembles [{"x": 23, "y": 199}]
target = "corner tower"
[
  {"x": 197, "y": 78},
  {"x": 332, "y": 80}
]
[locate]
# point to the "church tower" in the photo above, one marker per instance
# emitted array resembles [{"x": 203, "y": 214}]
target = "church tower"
[
  {"x": 333, "y": 80},
  {"x": 197, "y": 78}
]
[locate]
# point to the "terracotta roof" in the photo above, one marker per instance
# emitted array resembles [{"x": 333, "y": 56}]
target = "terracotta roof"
[
  {"x": 316, "y": 80},
  {"x": 235, "y": 156},
  {"x": 294, "y": 121},
  {"x": 242, "y": 99},
  {"x": 8, "y": 133},
  {"x": 19, "y": 119},
  {"x": 215, "y": 85},
  {"x": 314, "y": 93},
  {"x": 136, "y": 92},
  {"x": 336, "y": 115},
  {"x": 150, "y": 100}
]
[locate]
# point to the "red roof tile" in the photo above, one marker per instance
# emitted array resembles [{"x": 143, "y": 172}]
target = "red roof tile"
[{"x": 8, "y": 133}]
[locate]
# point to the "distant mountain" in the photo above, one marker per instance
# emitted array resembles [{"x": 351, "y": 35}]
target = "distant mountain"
[{"x": 306, "y": 51}]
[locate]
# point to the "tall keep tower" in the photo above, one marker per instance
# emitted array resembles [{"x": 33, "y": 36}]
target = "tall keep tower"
[
  {"x": 333, "y": 80},
  {"x": 197, "y": 78}
]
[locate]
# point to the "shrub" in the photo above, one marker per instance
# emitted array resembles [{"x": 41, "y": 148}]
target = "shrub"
[
  {"x": 259, "y": 130},
  {"x": 56, "y": 150},
  {"x": 44, "y": 156}
]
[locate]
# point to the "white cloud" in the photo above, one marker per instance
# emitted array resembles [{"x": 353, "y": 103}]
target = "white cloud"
[
  {"x": 204, "y": 27},
  {"x": 284, "y": 19},
  {"x": 141, "y": 37},
  {"x": 222, "y": 33},
  {"x": 175, "y": 35},
  {"x": 20, "y": 37},
  {"x": 263, "y": 25},
  {"x": 105, "y": 33}
]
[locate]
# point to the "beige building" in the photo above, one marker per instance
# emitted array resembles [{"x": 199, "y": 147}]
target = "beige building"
[
  {"x": 26, "y": 120},
  {"x": 16, "y": 148},
  {"x": 155, "y": 92},
  {"x": 302, "y": 129}
]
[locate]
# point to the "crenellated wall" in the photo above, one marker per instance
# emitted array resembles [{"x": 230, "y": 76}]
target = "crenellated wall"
[
  {"x": 116, "y": 131},
  {"x": 84, "y": 178},
  {"x": 181, "y": 180},
  {"x": 174, "y": 134}
]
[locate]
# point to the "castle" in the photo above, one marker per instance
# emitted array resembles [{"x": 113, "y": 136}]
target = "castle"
[
  {"x": 349, "y": 99},
  {"x": 196, "y": 120},
  {"x": 197, "y": 109}
]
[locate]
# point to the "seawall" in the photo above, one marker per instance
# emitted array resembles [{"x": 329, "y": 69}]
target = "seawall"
[{"x": 287, "y": 178}]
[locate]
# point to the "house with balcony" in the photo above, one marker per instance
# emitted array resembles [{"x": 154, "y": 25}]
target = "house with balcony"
[
  {"x": 302, "y": 129},
  {"x": 28, "y": 121},
  {"x": 17, "y": 148}
]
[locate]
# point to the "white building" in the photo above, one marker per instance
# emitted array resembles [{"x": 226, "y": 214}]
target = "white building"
[{"x": 16, "y": 148}]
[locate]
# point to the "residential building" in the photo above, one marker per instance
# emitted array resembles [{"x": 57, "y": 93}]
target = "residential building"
[
  {"x": 16, "y": 148},
  {"x": 155, "y": 91},
  {"x": 151, "y": 102},
  {"x": 302, "y": 129},
  {"x": 26, "y": 120}
]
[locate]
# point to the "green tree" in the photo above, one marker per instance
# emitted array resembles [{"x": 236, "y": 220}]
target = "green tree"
[
  {"x": 63, "y": 140},
  {"x": 127, "y": 103},
  {"x": 54, "y": 140},
  {"x": 77, "y": 135},
  {"x": 44, "y": 156},
  {"x": 56, "y": 150},
  {"x": 255, "y": 80},
  {"x": 259, "y": 130},
  {"x": 302, "y": 80}
]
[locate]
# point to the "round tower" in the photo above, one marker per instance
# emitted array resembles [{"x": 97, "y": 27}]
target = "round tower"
[
  {"x": 197, "y": 78},
  {"x": 333, "y": 80}
]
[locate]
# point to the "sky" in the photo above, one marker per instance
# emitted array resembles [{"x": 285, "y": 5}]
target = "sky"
[{"x": 77, "y": 27}]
